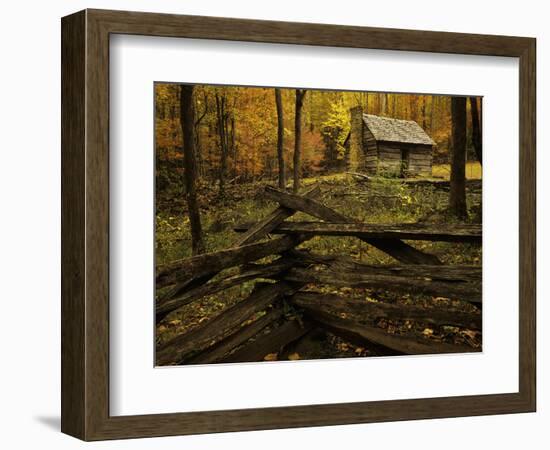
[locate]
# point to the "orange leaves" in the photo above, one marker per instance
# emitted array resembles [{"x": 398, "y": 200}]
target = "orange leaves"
[{"x": 271, "y": 357}]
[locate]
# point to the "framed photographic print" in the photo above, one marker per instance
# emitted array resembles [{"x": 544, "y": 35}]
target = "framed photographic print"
[{"x": 255, "y": 211}]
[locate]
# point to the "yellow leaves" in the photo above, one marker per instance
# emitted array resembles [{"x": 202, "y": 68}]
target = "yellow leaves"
[
  {"x": 294, "y": 356},
  {"x": 271, "y": 357},
  {"x": 449, "y": 329},
  {"x": 406, "y": 199},
  {"x": 343, "y": 346},
  {"x": 469, "y": 333},
  {"x": 428, "y": 332},
  {"x": 359, "y": 350},
  {"x": 471, "y": 337},
  {"x": 175, "y": 322}
]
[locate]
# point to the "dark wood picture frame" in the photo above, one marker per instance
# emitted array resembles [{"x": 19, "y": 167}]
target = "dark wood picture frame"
[{"x": 85, "y": 224}]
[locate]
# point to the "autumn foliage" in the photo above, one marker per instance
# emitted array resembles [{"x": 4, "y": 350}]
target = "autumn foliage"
[{"x": 248, "y": 119}]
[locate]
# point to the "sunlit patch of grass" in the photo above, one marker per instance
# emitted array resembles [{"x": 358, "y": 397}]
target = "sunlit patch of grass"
[{"x": 473, "y": 171}]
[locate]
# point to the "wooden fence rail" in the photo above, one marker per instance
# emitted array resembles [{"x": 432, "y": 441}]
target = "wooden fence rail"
[
  {"x": 362, "y": 334},
  {"x": 421, "y": 232},
  {"x": 201, "y": 265},
  {"x": 336, "y": 304},
  {"x": 469, "y": 291}
]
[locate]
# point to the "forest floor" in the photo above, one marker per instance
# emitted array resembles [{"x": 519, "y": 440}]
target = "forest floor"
[{"x": 380, "y": 200}]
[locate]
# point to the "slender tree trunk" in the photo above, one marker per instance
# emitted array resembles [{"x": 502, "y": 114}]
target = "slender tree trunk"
[
  {"x": 222, "y": 133},
  {"x": 233, "y": 144},
  {"x": 187, "y": 120},
  {"x": 280, "y": 139},
  {"x": 432, "y": 104},
  {"x": 300, "y": 93},
  {"x": 198, "y": 145},
  {"x": 413, "y": 108},
  {"x": 423, "y": 112},
  {"x": 457, "y": 197},
  {"x": 384, "y": 104},
  {"x": 476, "y": 128}
]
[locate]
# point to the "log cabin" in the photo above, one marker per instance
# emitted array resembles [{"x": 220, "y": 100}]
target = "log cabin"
[{"x": 379, "y": 145}]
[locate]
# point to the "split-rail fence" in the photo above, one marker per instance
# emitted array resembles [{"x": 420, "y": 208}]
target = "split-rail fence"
[{"x": 236, "y": 335}]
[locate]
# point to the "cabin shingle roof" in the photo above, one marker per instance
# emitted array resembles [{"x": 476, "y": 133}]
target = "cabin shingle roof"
[{"x": 396, "y": 130}]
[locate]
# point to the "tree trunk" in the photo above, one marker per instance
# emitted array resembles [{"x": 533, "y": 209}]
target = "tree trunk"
[
  {"x": 222, "y": 132},
  {"x": 476, "y": 128},
  {"x": 432, "y": 105},
  {"x": 198, "y": 146},
  {"x": 187, "y": 119},
  {"x": 423, "y": 112},
  {"x": 457, "y": 198},
  {"x": 384, "y": 104},
  {"x": 280, "y": 139},
  {"x": 300, "y": 93},
  {"x": 233, "y": 143}
]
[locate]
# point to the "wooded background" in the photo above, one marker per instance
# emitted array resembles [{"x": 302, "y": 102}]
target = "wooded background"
[{"x": 236, "y": 129}]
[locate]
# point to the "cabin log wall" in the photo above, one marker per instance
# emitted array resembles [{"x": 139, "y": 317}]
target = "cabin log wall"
[
  {"x": 390, "y": 159},
  {"x": 420, "y": 160}
]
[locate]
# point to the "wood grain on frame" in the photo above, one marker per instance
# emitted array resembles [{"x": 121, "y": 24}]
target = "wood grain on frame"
[{"x": 85, "y": 224}]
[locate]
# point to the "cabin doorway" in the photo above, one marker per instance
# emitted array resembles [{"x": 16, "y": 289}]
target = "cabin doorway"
[{"x": 404, "y": 173}]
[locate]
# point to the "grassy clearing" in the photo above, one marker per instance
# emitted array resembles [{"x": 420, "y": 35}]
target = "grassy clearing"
[{"x": 473, "y": 171}]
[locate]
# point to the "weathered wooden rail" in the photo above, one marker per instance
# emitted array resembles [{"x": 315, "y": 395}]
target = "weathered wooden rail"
[
  {"x": 421, "y": 232},
  {"x": 258, "y": 325}
]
